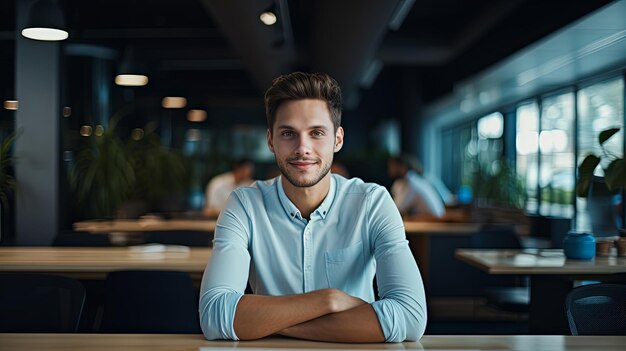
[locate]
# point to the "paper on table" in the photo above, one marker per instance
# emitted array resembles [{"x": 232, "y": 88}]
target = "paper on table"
[
  {"x": 416, "y": 347},
  {"x": 149, "y": 248}
]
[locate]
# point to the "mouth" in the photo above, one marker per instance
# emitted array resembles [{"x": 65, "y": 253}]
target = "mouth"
[{"x": 303, "y": 165}]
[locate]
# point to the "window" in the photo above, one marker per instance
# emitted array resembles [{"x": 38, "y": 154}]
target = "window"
[
  {"x": 600, "y": 107},
  {"x": 527, "y": 147},
  {"x": 556, "y": 145}
]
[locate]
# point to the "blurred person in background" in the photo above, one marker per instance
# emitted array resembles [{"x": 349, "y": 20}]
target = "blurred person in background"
[
  {"x": 220, "y": 186},
  {"x": 412, "y": 193}
]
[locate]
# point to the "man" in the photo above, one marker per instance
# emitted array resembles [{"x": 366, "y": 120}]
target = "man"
[
  {"x": 220, "y": 186},
  {"x": 308, "y": 242},
  {"x": 413, "y": 194}
]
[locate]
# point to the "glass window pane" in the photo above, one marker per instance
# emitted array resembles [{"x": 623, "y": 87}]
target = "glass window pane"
[
  {"x": 527, "y": 145},
  {"x": 600, "y": 107},
  {"x": 556, "y": 144}
]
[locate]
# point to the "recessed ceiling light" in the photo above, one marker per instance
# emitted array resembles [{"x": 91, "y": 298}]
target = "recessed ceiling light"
[
  {"x": 11, "y": 105},
  {"x": 268, "y": 18},
  {"x": 174, "y": 102},
  {"x": 196, "y": 115}
]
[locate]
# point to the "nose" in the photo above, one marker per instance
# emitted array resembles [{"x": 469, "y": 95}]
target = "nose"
[{"x": 304, "y": 146}]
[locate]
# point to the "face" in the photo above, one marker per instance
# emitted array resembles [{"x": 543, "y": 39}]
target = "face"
[
  {"x": 303, "y": 141},
  {"x": 243, "y": 172},
  {"x": 395, "y": 170}
]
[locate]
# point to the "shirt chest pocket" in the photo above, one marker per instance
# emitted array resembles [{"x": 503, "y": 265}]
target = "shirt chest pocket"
[{"x": 344, "y": 267}]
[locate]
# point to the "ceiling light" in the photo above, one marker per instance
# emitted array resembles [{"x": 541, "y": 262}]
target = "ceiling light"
[
  {"x": 11, "y": 105},
  {"x": 130, "y": 72},
  {"x": 85, "y": 130},
  {"x": 45, "y": 22},
  {"x": 131, "y": 80},
  {"x": 173, "y": 102},
  {"x": 268, "y": 18},
  {"x": 196, "y": 115},
  {"x": 137, "y": 134}
]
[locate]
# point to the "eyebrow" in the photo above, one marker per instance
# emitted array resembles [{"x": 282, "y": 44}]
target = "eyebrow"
[{"x": 311, "y": 127}]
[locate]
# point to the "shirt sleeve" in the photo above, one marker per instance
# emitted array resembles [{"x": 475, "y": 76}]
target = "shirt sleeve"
[
  {"x": 226, "y": 273},
  {"x": 401, "y": 310}
]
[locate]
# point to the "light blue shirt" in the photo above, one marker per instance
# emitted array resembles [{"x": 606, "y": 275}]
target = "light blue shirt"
[{"x": 356, "y": 233}]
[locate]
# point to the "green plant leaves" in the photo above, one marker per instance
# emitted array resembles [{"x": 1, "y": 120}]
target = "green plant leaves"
[
  {"x": 109, "y": 171},
  {"x": 585, "y": 174},
  {"x": 7, "y": 182},
  {"x": 606, "y": 134},
  {"x": 615, "y": 174}
]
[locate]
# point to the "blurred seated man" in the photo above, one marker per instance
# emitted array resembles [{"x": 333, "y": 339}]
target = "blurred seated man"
[
  {"x": 220, "y": 187},
  {"x": 414, "y": 196}
]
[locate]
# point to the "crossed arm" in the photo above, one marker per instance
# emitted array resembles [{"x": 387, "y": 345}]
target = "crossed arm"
[{"x": 324, "y": 315}]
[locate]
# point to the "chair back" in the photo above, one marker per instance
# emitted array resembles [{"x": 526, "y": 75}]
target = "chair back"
[
  {"x": 150, "y": 301},
  {"x": 81, "y": 239},
  {"x": 496, "y": 237},
  {"x": 180, "y": 237},
  {"x": 597, "y": 309},
  {"x": 40, "y": 303}
]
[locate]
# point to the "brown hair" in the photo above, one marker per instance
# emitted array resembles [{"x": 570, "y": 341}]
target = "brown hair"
[{"x": 299, "y": 85}]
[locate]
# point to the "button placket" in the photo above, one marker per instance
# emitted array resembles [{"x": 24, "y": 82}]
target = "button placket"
[{"x": 308, "y": 259}]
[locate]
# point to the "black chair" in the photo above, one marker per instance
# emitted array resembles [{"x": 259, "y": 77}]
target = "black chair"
[
  {"x": 40, "y": 303},
  {"x": 180, "y": 237},
  {"x": 506, "y": 293},
  {"x": 81, "y": 239},
  {"x": 597, "y": 309},
  {"x": 150, "y": 302}
]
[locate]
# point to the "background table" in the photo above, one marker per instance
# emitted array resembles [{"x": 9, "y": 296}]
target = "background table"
[
  {"x": 552, "y": 276},
  {"x": 95, "y": 263},
  {"x": 179, "y": 342},
  {"x": 144, "y": 225}
]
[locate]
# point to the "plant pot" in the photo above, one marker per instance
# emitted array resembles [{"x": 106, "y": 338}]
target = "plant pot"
[{"x": 579, "y": 245}]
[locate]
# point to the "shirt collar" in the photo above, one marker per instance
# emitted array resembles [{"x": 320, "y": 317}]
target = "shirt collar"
[{"x": 292, "y": 211}]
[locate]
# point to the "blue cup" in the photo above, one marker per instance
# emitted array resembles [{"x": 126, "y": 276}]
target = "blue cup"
[{"x": 579, "y": 245}]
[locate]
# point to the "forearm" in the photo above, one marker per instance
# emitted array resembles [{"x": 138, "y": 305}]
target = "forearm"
[
  {"x": 359, "y": 324},
  {"x": 259, "y": 316}
]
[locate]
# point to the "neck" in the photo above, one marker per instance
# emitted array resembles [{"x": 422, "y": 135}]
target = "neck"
[{"x": 307, "y": 199}]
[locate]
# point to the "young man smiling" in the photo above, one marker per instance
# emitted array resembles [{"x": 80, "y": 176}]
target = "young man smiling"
[{"x": 308, "y": 242}]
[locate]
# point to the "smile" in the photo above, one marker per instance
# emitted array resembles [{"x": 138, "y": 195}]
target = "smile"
[{"x": 303, "y": 165}]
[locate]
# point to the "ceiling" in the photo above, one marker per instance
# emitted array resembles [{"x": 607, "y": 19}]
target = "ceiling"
[{"x": 218, "y": 53}]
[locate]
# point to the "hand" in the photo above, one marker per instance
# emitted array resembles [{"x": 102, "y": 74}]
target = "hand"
[{"x": 340, "y": 301}]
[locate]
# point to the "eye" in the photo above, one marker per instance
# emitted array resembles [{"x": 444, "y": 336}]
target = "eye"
[
  {"x": 317, "y": 133},
  {"x": 286, "y": 133}
]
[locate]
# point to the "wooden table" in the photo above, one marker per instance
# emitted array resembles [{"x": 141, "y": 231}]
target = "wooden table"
[
  {"x": 96, "y": 262},
  {"x": 208, "y": 225},
  {"x": 194, "y": 342},
  {"x": 144, "y": 225},
  {"x": 552, "y": 276}
]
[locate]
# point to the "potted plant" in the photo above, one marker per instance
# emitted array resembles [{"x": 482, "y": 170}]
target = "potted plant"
[
  {"x": 102, "y": 176},
  {"x": 614, "y": 173},
  {"x": 116, "y": 178},
  {"x": 498, "y": 191},
  {"x": 7, "y": 181},
  {"x": 599, "y": 190}
]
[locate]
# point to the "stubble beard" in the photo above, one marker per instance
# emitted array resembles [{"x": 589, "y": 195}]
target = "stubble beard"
[{"x": 283, "y": 166}]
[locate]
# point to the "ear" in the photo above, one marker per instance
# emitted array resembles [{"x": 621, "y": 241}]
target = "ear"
[
  {"x": 339, "y": 139},
  {"x": 270, "y": 144}
]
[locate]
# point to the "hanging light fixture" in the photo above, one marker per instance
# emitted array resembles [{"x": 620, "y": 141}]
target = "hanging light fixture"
[
  {"x": 130, "y": 73},
  {"x": 268, "y": 17},
  {"x": 45, "y": 22}
]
